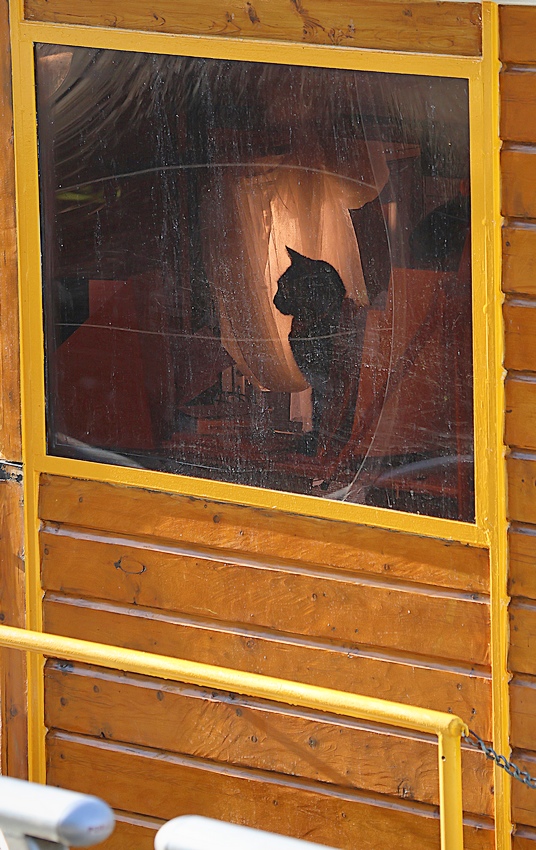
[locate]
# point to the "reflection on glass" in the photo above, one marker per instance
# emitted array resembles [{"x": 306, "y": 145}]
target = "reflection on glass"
[{"x": 259, "y": 274}]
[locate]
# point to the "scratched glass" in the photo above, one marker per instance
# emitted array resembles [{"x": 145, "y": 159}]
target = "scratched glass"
[{"x": 259, "y": 274}]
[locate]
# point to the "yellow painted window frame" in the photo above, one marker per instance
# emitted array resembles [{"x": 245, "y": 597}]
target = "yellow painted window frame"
[
  {"x": 25, "y": 34},
  {"x": 489, "y": 529}
]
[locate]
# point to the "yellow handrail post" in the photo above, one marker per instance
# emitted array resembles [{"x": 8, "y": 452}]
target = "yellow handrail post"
[{"x": 450, "y": 787}]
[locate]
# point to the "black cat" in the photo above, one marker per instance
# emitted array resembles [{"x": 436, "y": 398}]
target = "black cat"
[{"x": 312, "y": 292}]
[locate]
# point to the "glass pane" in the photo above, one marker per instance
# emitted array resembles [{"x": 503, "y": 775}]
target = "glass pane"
[{"x": 259, "y": 274}]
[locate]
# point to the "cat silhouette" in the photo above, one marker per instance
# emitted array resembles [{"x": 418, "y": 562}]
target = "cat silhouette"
[{"x": 312, "y": 292}]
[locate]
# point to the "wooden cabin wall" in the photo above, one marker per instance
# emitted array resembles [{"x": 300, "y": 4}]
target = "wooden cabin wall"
[
  {"x": 329, "y": 603},
  {"x": 518, "y": 131},
  {"x": 10, "y": 431},
  {"x": 13, "y": 732},
  {"x": 417, "y": 26},
  {"x": 13, "y": 745}
]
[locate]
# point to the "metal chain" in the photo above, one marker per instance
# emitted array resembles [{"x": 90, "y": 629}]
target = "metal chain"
[{"x": 512, "y": 769}]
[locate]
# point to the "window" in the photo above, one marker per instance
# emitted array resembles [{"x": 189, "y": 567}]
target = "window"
[{"x": 259, "y": 274}]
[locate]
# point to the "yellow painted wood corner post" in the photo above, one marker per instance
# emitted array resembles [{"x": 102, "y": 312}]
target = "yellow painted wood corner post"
[{"x": 497, "y": 524}]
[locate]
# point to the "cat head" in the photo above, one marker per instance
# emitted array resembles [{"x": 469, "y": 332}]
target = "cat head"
[{"x": 309, "y": 289}]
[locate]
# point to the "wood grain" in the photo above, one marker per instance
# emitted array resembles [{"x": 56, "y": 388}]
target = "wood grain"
[
  {"x": 520, "y": 336},
  {"x": 465, "y": 692},
  {"x": 269, "y": 536},
  {"x": 519, "y": 183},
  {"x": 162, "y": 785},
  {"x": 132, "y": 832},
  {"x": 10, "y": 435},
  {"x": 523, "y": 712},
  {"x": 521, "y": 471},
  {"x": 519, "y": 259},
  {"x": 518, "y": 106},
  {"x": 524, "y": 838},
  {"x": 518, "y": 124},
  {"x": 364, "y": 612},
  {"x": 523, "y": 637},
  {"x": 522, "y": 551},
  {"x": 451, "y": 28},
  {"x": 520, "y": 412},
  {"x": 13, "y": 727},
  {"x": 517, "y": 26},
  {"x": 523, "y": 803},
  {"x": 255, "y": 734}
]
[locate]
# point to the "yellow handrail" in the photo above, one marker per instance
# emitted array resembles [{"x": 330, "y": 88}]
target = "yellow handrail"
[{"x": 448, "y": 727}]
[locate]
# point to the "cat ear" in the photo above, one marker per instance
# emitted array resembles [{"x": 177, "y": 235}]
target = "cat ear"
[{"x": 295, "y": 256}]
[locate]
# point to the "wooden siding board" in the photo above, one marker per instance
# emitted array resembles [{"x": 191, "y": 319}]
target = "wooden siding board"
[
  {"x": 142, "y": 779},
  {"x": 132, "y": 832},
  {"x": 255, "y": 734},
  {"x": 519, "y": 183},
  {"x": 523, "y": 712},
  {"x": 10, "y": 434},
  {"x": 520, "y": 336},
  {"x": 518, "y": 106},
  {"x": 523, "y": 637},
  {"x": 519, "y": 258},
  {"x": 522, "y": 551},
  {"x": 465, "y": 692},
  {"x": 372, "y": 613},
  {"x": 521, "y": 472},
  {"x": 520, "y": 412},
  {"x": 268, "y": 536},
  {"x": 523, "y": 797},
  {"x": 517, "y": 25},
  {"x": 524, "y": 839},
  {"x": 449, "y": 28},
  {"x": 13, "y": 727},
  {"x": 518, "y": 126}
]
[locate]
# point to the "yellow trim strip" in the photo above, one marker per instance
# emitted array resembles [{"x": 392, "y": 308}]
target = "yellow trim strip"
[
  {"x": 497, "y": 519},
  {"x": 310, "y": 506},
  {"x": 480, "y": 226},
  {"x": 32, "y": 382},
  {"x": 448, "y": 727},
  {"x": 250, "y": 50}
]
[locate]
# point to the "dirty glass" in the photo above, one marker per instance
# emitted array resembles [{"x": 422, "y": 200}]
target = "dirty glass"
[{"x": 259, "y": 274}]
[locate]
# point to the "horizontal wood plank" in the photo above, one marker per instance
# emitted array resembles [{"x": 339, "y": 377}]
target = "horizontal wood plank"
[
  {"x": 523, "y": 637},
  {"x": 268, "y": 536},
  {"x": 464, "y": 692},
  {"x": 13, "y": 675},
  {"x": 517, "y": 25},
  {"x": 519, "y": 259},
  {"x": 522, "y": 551},
  {"x": 524, "y": 838},
  {"x": 450, "y": 28},
  {"x": 255, "y": 734},
  {"x": 521, "y": 471},
  {"x": 519, "y": 183},
  {"x": 523, "y": 798},
  {"x": 523, "y": 712},
  {"x": 520, "y": 412},
  {"x": 371, "y": 613},
  {"x": 518, "y": 106},
  {"x": 132, "y": 832},
  {"x": 161, "y": 785},
  {"x": 520, "y": 336}
]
